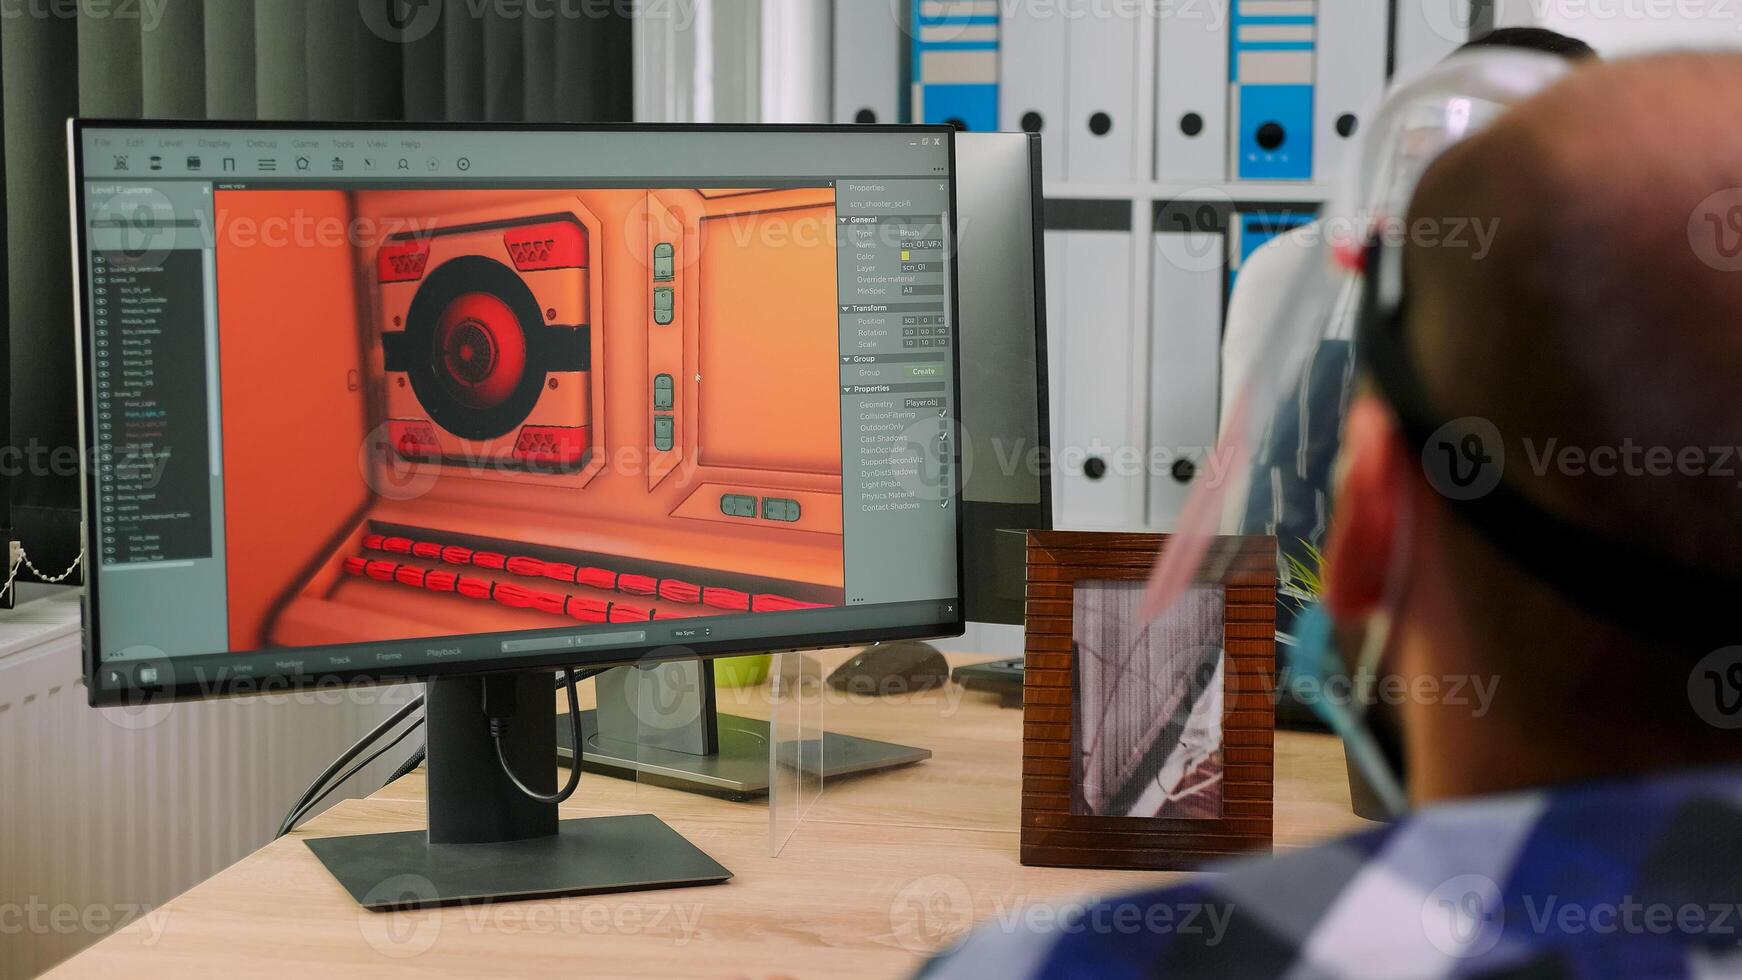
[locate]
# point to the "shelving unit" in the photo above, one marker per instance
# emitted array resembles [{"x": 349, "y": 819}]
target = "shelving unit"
[{"x": 1135, "y": 316}]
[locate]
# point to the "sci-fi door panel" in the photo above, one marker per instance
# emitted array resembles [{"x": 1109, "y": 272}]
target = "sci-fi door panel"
[{"x": 498, "y": 410}]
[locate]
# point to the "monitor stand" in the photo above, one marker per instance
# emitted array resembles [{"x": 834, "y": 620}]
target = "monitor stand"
[
  {"x": 486, "y": 840},
  {"x": 661, "y": 724}
]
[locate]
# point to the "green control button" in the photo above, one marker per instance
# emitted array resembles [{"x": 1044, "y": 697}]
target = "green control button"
[
  {"x": 662, "y": 433},
  {"x": 664, "y": 266},
  {"x": 664, "y": 393},
  {"x": 927, "y": 371},
  {"x": 737, "y": 505},
  {"x": 663, "y": 305},
  {"x": 780, "y": 509}
]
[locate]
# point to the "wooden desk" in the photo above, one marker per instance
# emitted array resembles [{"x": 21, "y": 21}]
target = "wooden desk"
[{"x": 882, "y": 870}]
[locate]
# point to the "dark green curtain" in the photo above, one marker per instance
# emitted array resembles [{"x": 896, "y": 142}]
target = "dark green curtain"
[{"x": 419, "y": 60}]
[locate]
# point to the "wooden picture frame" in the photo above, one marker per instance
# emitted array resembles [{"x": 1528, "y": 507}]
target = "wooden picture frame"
[{"x": 1103, "y": 786}]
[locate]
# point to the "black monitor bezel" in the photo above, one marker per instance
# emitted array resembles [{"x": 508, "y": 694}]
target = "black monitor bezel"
[{"x": 202, "y": 688}]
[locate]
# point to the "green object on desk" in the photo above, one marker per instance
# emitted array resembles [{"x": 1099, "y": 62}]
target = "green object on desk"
[{"x": 742, "y": 671}]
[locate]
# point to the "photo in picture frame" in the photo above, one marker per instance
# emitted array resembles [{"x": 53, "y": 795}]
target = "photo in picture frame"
[{"x": 1147, "y": 744}]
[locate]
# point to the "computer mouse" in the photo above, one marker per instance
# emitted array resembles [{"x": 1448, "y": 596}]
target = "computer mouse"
[{"x": 904, "y": 667}]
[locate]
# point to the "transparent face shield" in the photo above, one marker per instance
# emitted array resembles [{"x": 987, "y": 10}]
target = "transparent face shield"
[{"x": 1281, "y": 435}]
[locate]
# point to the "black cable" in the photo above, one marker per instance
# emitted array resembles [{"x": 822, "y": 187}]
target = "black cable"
[
  {"x": 418, "y": 758},
  {"x": 349, "y": 754},
  {"x": 408, "y": 765},
  {"x": 323, "y": 785},
  {"x": 296, "y": 817},
  {"x": 499, "y": 727}
]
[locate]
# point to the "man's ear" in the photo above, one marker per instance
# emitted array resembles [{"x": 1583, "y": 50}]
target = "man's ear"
[{"x": 1375, "y": 473}]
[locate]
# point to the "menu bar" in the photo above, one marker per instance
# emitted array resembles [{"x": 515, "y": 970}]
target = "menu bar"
[{"x": 171, "y": 154}]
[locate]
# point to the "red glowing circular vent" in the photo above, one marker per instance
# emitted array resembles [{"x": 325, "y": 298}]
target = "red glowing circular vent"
[
  {"x": 481, "y": 348},
  {"x": 472, "y": 362}
]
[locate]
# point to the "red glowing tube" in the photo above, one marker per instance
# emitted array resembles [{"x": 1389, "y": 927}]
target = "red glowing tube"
[
  {"x": 598, "y": 578},
  {"x": 473, "y": 587},
  {"x": 672, "y": 590},
  {"x": 780, "y": 603},
  {"x": 730, "y": 599},
  {"x": 637, "y": 584},
  {"x": 587, "y": 610},
  {"x": 517, "y": 596},
  {"x": 623, "y": 612}
]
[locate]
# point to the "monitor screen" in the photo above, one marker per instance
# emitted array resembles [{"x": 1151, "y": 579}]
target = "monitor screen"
[{"x": 363, "y": 404}]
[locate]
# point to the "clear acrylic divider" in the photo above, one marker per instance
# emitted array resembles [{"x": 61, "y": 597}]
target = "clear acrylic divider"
[{"x": 795, "y": 744}]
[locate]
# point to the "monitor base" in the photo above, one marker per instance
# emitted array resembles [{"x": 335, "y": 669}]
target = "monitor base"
[
  {"x": 739, "y": 770},
  {"x": 596, "y": 855},
  {"x": 487, "y": 841}
]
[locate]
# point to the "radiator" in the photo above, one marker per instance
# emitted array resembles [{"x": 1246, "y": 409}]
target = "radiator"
[{"x": 107, "y": 814}]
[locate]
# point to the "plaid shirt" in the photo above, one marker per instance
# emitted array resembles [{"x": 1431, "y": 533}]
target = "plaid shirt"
[{"x": 1640, "y": 879}]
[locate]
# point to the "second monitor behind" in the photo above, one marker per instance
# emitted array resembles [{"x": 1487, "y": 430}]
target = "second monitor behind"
[{"x": 1006, "y": 473}]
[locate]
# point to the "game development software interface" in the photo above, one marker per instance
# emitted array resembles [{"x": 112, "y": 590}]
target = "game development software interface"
[{"x": 371, "y": 400}]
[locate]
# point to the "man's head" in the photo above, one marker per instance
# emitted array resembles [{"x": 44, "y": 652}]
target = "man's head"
[
  {"x": 1534, "y": 39},
  {"x": 1598, "y": 334}
]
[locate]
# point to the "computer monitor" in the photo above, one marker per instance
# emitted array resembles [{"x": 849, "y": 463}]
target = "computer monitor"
[
  {"x": 374, "y": 403},
  {"x": 1006, "y": 483}
]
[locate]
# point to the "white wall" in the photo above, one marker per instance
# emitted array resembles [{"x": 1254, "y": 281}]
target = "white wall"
[{"x": 1622, "y": 27}]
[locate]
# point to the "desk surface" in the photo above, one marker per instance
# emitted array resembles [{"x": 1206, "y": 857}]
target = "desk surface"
[{"x": 883, "y": 869}]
